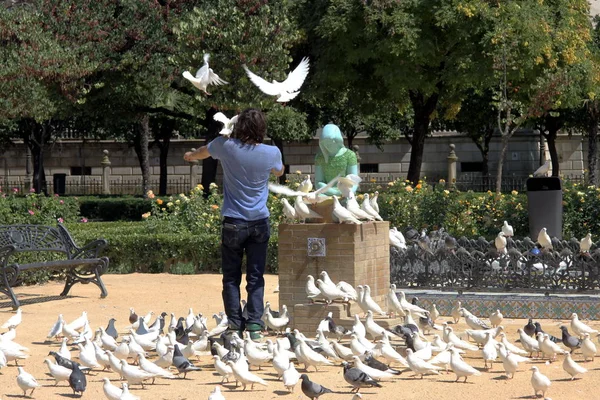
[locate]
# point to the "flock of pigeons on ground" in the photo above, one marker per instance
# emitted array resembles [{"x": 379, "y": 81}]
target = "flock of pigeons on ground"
[{"x": 368, "y": 353}]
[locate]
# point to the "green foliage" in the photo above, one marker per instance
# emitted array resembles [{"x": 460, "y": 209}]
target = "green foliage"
[
  {"x": 287, "y": 124},
  {"x": 580, "y": 210},
  {"x": 36, "y": 209},
  {"x": 114, "y": 209}
]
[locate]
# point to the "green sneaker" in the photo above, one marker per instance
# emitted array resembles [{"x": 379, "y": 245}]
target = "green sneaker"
[{"x": 255, "y": 331}]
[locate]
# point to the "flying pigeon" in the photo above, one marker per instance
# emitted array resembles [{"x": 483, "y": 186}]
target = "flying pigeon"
[
  {"x": 204, "y": 76},
  {"x": 286, "y": 90},
  {"x": 228, "y": 123}
]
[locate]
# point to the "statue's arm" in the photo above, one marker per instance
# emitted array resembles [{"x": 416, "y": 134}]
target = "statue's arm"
[{"x": 320, "y": 182}]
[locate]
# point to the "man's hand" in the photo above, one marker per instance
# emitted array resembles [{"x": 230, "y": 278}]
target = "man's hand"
[
  {"x": 199, "y": 154},
  {"x": 189, "y": 156}
]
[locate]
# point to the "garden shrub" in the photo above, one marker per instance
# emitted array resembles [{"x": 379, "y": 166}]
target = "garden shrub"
[{"x": 114, "y": 209}]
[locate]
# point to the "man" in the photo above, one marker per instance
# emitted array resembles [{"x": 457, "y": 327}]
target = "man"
[{"x": 247, "y": 164}]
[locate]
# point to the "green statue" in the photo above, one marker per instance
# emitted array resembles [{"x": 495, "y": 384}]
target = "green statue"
[{"x": 334, "y": 159}]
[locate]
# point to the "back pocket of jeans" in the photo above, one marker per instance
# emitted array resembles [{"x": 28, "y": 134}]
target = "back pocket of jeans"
[
  {"x": 230, "y": 235},
  {"x": 262, "y": 233}
]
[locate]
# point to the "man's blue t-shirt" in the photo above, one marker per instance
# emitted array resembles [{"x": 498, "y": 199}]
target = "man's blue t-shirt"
[{"x": 246, "y": 169}]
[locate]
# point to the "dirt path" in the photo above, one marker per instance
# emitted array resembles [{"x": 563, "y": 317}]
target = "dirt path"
[{"x": 175, "y": 293}]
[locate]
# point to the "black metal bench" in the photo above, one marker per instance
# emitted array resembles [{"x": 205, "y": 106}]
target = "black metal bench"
[{"x": 84, "y": 265}]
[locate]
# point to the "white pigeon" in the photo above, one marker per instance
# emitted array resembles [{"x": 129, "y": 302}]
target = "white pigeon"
[
  {"x": 56, "y": 328},
  {"x": 216, "y": 394},
  {"x": 281, "y": 361},
  {"x": 460, "y": 367},
  {"x": 256, "y": 356},
  {"x": 290, "y": 377},
  {"x": 302, "y": 210},
  {"x": 395, "y": 242},
  {"x": 500, "y": 242},
  {"x": 79, "y": 322},
  {"x": 204, "y": 76},
  {"x": 64, "y": 351},
  {"x": 375, "y": 330},
  {"x": 511, "y": 347},
  {"x": 393, "y": 304},
  {"x": 101, "y": 356},
  {"x": 228, "y": 123},
  {"x": 353, "y": 206},
  {"x": 544, "y": 239},
  {"x": 154, "y": 369},
  {"x": 306, "y": 185},
  {"x": 507, "y": 229},
  {"x": 434, "y": 313},
  {"x": 26, "y": 381},
  {"x": 480, "y": 337},
  {"x": 543, "y": 170},
  {"x": 548, "y": 347},
  {"x": 372, "y": 372},
  {"x": 539, "y": 382},
  {"x": 312, "y": 292},
  {"x": 126, "y": 395},
  {"x": 346, "y": 184},
  {"x": 421, "y": 312},
  {"x": 530, "y": 344},
  {"x": 509, "y": 363},
  {"x": 244, "y": 376},
  {"x": 14, "y": 320},
  {"x": 330, "y": 293},
  {"x": 58, "y": 372},
  {"x": 341, "y": 214},
  {"x": 134, "y": 375},
  {"x": 496, "y": 318},
  {"x": 489, "y": 351},
  {"x": 111, "y": 391},
  {"x": 571, "y": 367},
  {"x": 420, "y": 366},
  {"x": 9, "y": 335},
  {"x": 370, "y": 303},
  {"x": 373, "y": 201},
  {"x": 313, "y": 197},
  {"x": 450, "y": 337},
  {"x": 3, "y": 360},
  {"x": 288, "y": 210},
  {"x": 308, "y": 356},
  {"x": 588, "y": 348},
  {"x": 286, "y": 90},
  {"x": 348, "y": 289},
  {"x": 222, "y": 369},
  {"x": 278, "y": 324},
  {"x": 108, "y": 342},
  {"x": 343, "y": 352},
  {"x": 366, "y": 207},
  {"x": 579, "y": 328},
  {"x": 473, "y": 321},
  {"x": 87, "y": 357},
  {"x": 586, "y": 243},
  {"x": 455, "y": 312}
]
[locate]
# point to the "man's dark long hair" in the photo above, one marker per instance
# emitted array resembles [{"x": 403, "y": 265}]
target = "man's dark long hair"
[{"x": 250, "y": 127}]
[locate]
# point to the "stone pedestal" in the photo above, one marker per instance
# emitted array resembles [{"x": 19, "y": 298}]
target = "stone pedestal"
[{"x": 357, "y": 254}]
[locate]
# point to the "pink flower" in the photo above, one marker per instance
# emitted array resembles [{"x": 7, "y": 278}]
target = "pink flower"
[
  {"x": 30, "y": 212},
  {"x": 55, "y": 194},
  {"x": 61, "y": 202},
  {"x": 15, "y": 190},
  {"x": 84, "y": 219},
  {"x": 61, "y": 220},
  {"x": 32, "y": 190}
]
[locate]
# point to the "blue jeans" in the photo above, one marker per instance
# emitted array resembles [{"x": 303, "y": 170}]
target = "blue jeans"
[{"x": 252, "y": 237}]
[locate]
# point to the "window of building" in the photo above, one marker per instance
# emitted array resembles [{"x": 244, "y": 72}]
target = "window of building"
[
  {"x": 78, "y": 171},
  {"x": 471, "y": 166},
  {"x": 366, "y": 168}
]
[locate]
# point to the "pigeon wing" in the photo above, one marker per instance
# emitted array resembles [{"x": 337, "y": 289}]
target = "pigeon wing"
[
  {"x": 266, "y": 87},
  {"x": 214, "y": 79},
  {"x": 328, "y": 186},
  {"x": 221, "y": 118},
  {"x": 296, "y": 78},
  {"x": 284, "y": 190}
]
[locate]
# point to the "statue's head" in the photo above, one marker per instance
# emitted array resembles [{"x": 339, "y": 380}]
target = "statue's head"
[{"x": 330, "y": 141}]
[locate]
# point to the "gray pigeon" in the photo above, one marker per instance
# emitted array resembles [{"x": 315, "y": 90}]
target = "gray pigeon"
[
  {"x": 111, "y": 330},
  {"x": 77, "y": 380},
  {"x": 63, "y": 362},
  {"x": 569, "y": 340},
  {"x": 141, "y": 329},
  {"x": 312, "y": 390},
  {"x": 529, "y": 329},
  {"x": 376, "y": 364},
  {"x": 424, "y": 242},
  {"x": 357, "y": 378},
  {"x": 183, "y": 364}
]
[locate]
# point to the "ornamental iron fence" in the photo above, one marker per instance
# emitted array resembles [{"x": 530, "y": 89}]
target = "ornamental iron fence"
[{"x": 475, "y": 265}]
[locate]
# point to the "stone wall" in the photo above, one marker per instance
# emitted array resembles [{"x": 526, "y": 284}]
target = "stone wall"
[{"x": 522, "y": 158}]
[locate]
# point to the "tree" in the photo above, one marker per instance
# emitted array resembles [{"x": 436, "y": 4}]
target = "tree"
[
  {"x": 410, "y": 54},
  {"x": 257, "y": 33}
]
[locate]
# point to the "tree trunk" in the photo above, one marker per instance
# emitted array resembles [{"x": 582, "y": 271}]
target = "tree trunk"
[
  {"x": 279, "y": 144},
  {"x": 163, "y": 132},
  {"x": 551, "y": 139},
  {"x": 592, "y": 151},
  {"x": 36, "y": 137},
  {"x": 209, "y": 165},
  {"x": 505, "y": 140},
  {"x": 143, "y": 152},
  {"x": 423, "y": 108}
]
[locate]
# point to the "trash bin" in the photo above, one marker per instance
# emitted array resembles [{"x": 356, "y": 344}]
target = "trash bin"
[
  {"x": 60, "y": 183},
  {"x": 544, "y": 205}
]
